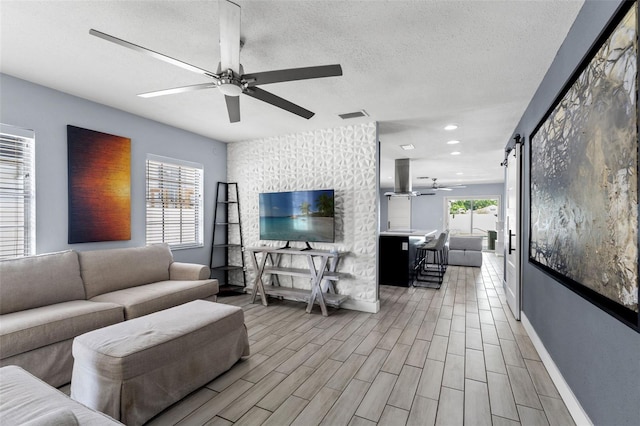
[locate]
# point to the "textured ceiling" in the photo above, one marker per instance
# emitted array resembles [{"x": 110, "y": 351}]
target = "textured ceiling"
[{"x": 414, "y": 66}]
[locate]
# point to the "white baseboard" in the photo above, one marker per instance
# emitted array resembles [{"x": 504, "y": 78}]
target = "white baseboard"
[
  {"x": 573, "y": 405},
  {"x": 361, "y": 305}
]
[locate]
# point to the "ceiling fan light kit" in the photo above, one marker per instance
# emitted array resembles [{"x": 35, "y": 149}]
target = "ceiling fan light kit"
[
  {"x": 230, "y": 85},
  {"x": 230, "y": 79}
]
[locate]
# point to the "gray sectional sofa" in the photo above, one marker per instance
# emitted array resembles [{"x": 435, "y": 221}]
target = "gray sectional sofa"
[
  {"x": 465, "y": 251},
  {"x": 47, "y": 300}
]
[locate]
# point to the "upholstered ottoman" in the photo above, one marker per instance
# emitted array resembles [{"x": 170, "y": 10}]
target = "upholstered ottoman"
[{"x": 133, "y": 370}]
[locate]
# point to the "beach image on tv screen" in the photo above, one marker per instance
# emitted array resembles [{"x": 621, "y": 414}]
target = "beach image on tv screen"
[{"x": 297, "y": 216}]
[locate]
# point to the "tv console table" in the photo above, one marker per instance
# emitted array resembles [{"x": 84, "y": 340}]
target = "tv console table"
[{"x": 322, "y": 276}]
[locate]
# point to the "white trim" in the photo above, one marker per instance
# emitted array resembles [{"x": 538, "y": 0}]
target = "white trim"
[
  {"x": 445, "y": 205},
  {"x": 176, "y": 161},
  {"x": 570, "y": 400},
  {"x": 361, "y": 305},
  {"x": 155, "y": 219},
  {"x": 23, "y": 238},
  {"x": 17, "y": 131}
]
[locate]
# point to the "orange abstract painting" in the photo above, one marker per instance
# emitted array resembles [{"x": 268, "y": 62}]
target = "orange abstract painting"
[{"x": 99, "y": 186}]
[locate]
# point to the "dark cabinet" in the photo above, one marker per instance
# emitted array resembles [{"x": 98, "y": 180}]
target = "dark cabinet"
[{"x": 395, "y": 260}]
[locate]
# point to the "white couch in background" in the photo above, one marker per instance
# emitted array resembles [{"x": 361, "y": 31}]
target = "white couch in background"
[{"x": 465, "y": 251}]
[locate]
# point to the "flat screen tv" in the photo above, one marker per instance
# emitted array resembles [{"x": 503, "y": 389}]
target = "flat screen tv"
[{"x": 306, "y": 216}]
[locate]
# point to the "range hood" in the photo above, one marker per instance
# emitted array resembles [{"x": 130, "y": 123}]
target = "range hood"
[{"x": 402, "y": 182}]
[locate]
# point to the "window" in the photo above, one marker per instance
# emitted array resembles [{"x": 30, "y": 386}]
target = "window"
[
  {"x": 472, "y": 216},
  {"x": 174, "y": 202},
  {"x": 17, "y": 192}
]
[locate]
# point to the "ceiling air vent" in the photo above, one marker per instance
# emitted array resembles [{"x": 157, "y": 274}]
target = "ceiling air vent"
[{"x": 361, "y": 113}]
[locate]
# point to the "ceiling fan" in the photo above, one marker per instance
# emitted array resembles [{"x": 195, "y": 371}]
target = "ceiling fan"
[
  {"x": 437, "y": 187},
  {"x": 230, "y": 78}
]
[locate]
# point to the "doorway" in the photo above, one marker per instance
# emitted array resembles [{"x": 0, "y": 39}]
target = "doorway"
[
  {"x": 512, "y": 280},
  {"x": 473, "y": 216}
]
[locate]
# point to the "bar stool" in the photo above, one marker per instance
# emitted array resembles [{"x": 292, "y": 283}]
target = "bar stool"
[{"x": 431, "y": 262}]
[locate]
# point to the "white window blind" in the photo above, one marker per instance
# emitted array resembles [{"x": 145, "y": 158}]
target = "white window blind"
[
  {"x": 174, "y": 202},
  {"x": 17, "y": 192}
]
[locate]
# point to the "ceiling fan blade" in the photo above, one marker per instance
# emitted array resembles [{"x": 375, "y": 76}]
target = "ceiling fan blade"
[
  {"x": 272, "y": 99},
  {"x": 178, "y": 90},
  {"x": 233, "y": 108},
  {"x": 229, "y": 36},
  {"x": 292, "y": 74},
  {"x": 153, "y": 54}
]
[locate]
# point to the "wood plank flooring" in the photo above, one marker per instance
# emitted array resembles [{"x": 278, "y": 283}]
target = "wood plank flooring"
[{"x": 452, "y": 356}]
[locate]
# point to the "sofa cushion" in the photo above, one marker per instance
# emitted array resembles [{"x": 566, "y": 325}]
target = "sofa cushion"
[
  {"x": 35, "y": 281},
  {"x": 33, "y": 328},
  {"x": 143, "y": 300},
  {"x": 24, "y": 398},
  {"x": 104, "y": 271},
  {"x": 465, "y": 258},
  {"x": 465, "y": 243}
]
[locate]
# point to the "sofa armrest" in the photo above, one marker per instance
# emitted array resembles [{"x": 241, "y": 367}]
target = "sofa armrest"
[{"x": 188, "y": 271}]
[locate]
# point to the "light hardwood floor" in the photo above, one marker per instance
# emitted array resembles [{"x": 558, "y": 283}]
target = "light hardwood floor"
[{"x": 451, "y": 356}]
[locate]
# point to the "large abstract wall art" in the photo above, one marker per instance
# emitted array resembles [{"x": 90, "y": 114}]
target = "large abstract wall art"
[
  {"x": 99, "y": 186},
  {"x": 584, "y": 176}
]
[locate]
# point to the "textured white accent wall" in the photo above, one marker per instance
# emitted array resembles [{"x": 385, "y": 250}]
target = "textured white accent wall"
[{"x": 343, "y": 159}]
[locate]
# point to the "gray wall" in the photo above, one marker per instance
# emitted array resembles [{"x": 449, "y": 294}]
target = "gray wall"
[
  {"x": 48, "y": 112},
  {"x": 598, "y": 356},
  {"x": 427, "y": 210}
]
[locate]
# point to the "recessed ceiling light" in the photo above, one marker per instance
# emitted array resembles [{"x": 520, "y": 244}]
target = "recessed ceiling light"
[
  {"x": 407, "y": 147},
  {"x": 451, "y": 126},
  {"x": 453, "y": 142},
  {"x": 459, "y": 173},
  {"x": 455, "y": 153}
]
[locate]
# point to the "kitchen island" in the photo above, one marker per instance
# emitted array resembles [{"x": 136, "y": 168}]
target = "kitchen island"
[{"x": 397, "y": 251}]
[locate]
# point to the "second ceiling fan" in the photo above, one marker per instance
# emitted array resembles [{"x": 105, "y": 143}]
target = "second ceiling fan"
[
  {"x": 230, "y": 78},
  {"x": 437, "y": 187}
]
